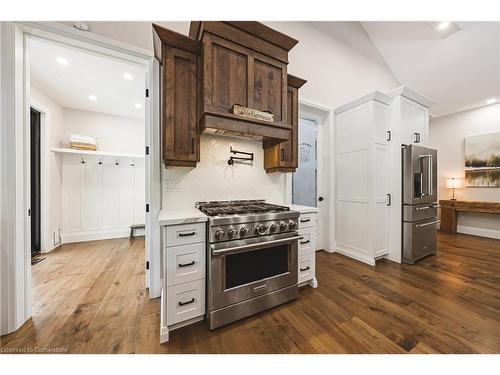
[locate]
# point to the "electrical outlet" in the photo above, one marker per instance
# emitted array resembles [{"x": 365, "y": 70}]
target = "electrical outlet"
[
  {"x": 57, "y": 237},
  {"x": 172, "y": 187}
]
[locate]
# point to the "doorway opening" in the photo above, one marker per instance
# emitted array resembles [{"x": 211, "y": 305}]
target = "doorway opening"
[
  {"x": 87, "y": 177},
  {"x": 35, "y": 180}
]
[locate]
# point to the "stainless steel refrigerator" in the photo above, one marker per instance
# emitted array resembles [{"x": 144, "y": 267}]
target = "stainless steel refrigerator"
[{"x": 419, "y": 203}]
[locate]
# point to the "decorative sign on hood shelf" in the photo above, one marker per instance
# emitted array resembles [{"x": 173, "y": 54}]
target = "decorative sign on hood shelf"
[{"x": 239, "y": 110}]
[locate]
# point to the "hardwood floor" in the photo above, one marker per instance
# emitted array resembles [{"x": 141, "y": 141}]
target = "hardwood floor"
[{"x": 90, "y": 298}]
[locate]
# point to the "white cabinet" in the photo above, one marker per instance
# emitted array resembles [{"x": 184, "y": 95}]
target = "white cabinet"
[
  {"x": 369, "y": 132},
  {"x": 410, "y": 116},
  {"x": 102, "y": 196},
  {"x": 362, "y": 177},
  {"x": 307, "y": 248},
  {"x": 184, "y": 263}
]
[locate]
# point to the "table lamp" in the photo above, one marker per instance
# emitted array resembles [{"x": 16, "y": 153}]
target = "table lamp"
[{"x": 453, "y": 183}]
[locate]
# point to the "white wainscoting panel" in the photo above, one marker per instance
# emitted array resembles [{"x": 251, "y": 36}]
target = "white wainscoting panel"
[{"x": 102, "y": 196}]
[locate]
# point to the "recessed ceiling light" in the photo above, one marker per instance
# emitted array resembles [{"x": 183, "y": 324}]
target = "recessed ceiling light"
[
  {"x": 138, "y": 105},
  {"x": 128, "y": 76},
  {"x": 491, "y": 100},
  {"x": 443, "y": 25},
  {"x": 92, "y": 97},
  {"x": 62, "y": 60}
]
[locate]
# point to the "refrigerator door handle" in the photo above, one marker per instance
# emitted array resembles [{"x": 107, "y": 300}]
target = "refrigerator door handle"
[{"x": 429, "y": 174}]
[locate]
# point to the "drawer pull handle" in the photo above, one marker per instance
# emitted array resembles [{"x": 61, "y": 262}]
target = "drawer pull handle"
[
  {"x": 186, "y": 264},
  {"x": 305, "y": 269},
  {"x": 259, "y": 288},
  {"x": 187, "y": 234},
  {"x": 305, "y": 220},
  {"x": 187, "y": 302},
  {"x": 427, "y": 224},
  {"x": 304, "y": 242}
]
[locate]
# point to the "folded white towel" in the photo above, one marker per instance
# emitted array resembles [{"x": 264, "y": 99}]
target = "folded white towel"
[{"x": 80, "y": 138}]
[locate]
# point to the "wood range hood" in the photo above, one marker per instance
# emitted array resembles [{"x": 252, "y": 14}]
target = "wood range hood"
[
  {"x": 243, "y": 63},
  {"x": 219, "y": 65}
]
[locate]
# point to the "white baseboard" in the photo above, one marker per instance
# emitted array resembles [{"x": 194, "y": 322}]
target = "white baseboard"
[
  {"x": 100, "y": 234},
  {"x": 352, "y": 254},
  {"x": 164, "y": 337},
  {"x": 482, "y": 232}
]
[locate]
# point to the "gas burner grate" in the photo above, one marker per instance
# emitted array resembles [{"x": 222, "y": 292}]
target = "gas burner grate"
[{"x": 244, "y": 207}]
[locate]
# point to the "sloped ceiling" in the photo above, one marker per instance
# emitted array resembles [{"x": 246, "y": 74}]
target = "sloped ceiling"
[{"x": 459, "y": 71}]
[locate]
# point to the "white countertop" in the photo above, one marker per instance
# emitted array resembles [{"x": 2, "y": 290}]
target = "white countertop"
[
  {"x": 302, "y": 209},
  {"x": 184, "y": 216}
]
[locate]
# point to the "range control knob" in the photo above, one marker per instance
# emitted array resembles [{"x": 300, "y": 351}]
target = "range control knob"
[
  {"x": 231, "y": 232},
  {"x": 261, "y": 228},
  {"x": 282, "y": 225},
  {"x": 219, "y": 234},
  {"x": 243, "y": 231},
  {"x": 291, "y": 224},
  {"x": 273, "y": 227}
]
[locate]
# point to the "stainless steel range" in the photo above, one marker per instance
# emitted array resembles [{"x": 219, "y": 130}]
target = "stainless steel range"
[{"x": 252, "y": 258}]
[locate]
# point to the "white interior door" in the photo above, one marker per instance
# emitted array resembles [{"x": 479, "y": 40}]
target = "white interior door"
[{"x": 307, "y": 183}]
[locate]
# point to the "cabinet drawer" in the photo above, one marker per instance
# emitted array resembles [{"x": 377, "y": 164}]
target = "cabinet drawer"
[
  {"x": 307, "y": 267},
  {"x": 185, "y": 263},
  {"x": 307, "y": 220},
  {"x": 185, "y": 301},
  {"x": 307, "y": 242},
  {"x": 185, "y": 234}
]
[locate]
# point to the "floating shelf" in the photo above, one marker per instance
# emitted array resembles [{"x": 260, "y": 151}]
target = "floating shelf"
[{"x": 96, "y": 153}]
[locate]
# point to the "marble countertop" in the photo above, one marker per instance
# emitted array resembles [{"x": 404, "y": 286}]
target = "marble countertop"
[
  {"x": 302, "y": 209},
  {"x": 183, "y": 216}
]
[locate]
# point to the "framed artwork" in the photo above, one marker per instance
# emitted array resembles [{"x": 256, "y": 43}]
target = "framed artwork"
[{"x": 482, "y": 160}]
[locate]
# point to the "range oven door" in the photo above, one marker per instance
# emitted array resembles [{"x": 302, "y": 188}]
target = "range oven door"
[{"x": 243, "y": 269}]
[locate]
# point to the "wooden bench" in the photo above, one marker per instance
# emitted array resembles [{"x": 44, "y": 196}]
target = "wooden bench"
[
  {"x": 450, "y": 210},
  {"x": 134, "y": 227}
]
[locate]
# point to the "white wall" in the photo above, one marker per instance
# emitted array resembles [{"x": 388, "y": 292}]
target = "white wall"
[
  {"x": 53, "y": 121},
  {"x": 447, "y": 136},
  {"x": 115, "y": 133}
]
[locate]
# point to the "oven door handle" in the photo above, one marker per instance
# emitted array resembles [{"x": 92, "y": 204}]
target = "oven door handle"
[{"x": 236, "y": 249}]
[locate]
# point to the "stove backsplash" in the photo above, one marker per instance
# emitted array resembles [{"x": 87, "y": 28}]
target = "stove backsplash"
[{"x": 214, "y": 179}]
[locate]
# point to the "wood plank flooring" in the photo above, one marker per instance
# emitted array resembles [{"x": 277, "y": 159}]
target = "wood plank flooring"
[{"x": 90, "y": 298}]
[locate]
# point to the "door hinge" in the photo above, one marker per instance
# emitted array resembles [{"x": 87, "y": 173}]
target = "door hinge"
[
  {"x": 147, "y": 93},
  {"x": 147, "y": 150},
  {"x": 147, "y": 265},
  {"x": 29, "y": 211},
  {"x": 147, "y": 207}
]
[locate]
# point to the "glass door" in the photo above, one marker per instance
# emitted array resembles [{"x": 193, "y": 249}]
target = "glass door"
[{"x": 304, "y": 180}]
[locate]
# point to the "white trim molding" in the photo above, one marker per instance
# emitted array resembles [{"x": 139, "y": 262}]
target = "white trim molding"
[
  {"x": 15, "y": 261},
  {"x": 324, "y": 115},
  {"x": 481, "y": 232}
]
